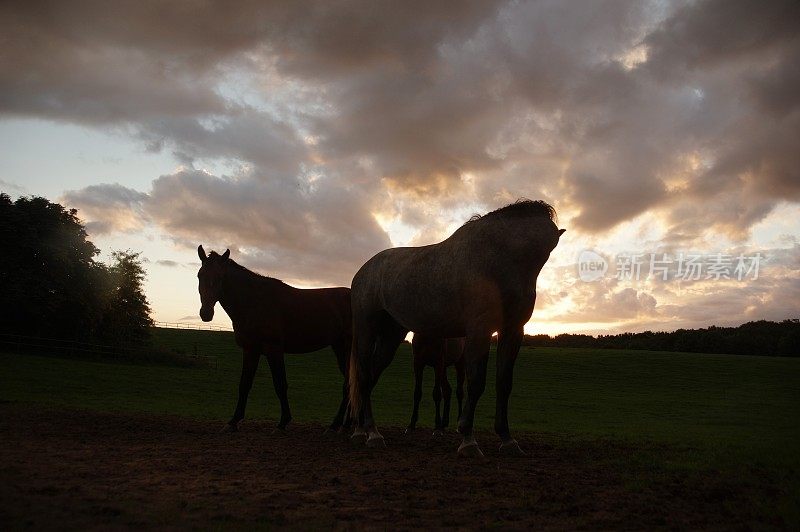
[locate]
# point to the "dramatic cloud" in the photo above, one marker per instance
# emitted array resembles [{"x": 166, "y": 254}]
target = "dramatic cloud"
[
  {"x": 331, "y": 127},
  {"x": 109, "y": 207},
  {"x": 316, "y": 232}
]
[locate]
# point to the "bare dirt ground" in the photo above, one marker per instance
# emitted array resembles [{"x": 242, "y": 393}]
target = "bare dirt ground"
[{"x": 62, "y": 469}]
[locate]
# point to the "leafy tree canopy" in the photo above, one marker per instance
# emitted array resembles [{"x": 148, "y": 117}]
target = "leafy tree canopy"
[{"x": 53, "y": 286}]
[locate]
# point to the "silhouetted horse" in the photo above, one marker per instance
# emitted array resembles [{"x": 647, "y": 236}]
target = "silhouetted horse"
[
  {"x": 438, "y": 353},
  {"x": 480, "y": 280},
  {"x": 272, "y": 318}
]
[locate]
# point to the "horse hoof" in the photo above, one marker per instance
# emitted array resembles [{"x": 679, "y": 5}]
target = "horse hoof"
[
  {"x": 438, "y": 432},
  {"x": 376, "y": 442},
  {"x": 511, "y": 448},
  {"x": 409, "y": 431},
  {"x": 359, "y": 438},
  {"x": 470, "y": 449},
  {"x": 229, "y": 427}
]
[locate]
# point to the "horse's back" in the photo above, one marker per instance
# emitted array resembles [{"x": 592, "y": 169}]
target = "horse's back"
[
  {"x": 477, "y": 279},
  {"x": 301, "y": 320},
  {"x": 413, "y": 284},
  {"x": 324, "y": 310}
]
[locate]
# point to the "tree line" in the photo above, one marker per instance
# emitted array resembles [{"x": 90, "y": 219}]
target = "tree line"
[
  {"x": 53, "y": 286},
  {"x": 752, "y": 338}
]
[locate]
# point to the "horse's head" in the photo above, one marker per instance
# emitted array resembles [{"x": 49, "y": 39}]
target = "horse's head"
[{"x": 212, "y": 270}]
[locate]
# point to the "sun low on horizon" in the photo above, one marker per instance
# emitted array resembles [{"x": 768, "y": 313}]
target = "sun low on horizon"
[{"x": 306, "y": 138}]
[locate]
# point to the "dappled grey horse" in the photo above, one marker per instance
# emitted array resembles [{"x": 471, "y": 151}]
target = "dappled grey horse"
[{"x": 480, "y": 280}]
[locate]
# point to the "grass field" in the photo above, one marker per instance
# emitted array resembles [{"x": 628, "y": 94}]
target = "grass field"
[
  {"x": 732, "y": 403},
  {"x": 714, "y": 411}
]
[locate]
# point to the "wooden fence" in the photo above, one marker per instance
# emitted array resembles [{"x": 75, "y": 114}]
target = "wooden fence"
[
  {"x": 21, "y": 344},
  {"x": 190, "y": 326}
]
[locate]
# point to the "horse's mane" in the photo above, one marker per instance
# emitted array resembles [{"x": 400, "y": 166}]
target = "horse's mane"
[
  {"x": 241, "y": 269},
  {"x": 521, "y": 207}
]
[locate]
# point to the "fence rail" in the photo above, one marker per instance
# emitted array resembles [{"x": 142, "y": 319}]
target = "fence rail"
[
  {"x": 191, "y": 326},
  {"x": 70, "y": 348}
]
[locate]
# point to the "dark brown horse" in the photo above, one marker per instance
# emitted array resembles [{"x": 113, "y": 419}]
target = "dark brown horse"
[
  {"x": 480, "y": 280},
  {"x": 272, "y": 318},
  {"x": 438, "y": 353}
]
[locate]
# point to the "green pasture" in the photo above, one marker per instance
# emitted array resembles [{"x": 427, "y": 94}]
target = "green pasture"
[
  {"x": 691, "y": 415},
  {"x": 722, "y": 405}
]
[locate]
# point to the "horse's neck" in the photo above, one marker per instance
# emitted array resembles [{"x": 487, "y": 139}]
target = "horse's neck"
[
  {"x": 244, "y": 292},
  {"x": 237, "y": 294}
]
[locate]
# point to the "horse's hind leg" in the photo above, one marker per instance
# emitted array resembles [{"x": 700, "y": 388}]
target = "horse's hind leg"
[
  {"x": 277, "y": 366},
  {"x": 360, "y": 375},
  {"x": 476, "y": 356},
  {"x": 250, "y": 357},
  {"x": 342, "y": 353},
  {"x": 509, "y": 342},
  {"x": 389, "y": 338},
  {"x": 447, "y": 393},
  {"x": 419, "y": 368}
]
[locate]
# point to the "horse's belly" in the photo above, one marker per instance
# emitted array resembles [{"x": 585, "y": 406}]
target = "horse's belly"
[
  {"x": 306, "y": 345},
  {"x": 444, "y": 324},
  {"x": 449, "y": 317}
]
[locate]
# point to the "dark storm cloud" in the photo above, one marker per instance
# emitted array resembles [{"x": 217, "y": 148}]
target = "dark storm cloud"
[
  {"x": 742, "y": 58},
  {"x": 250, "y": 136},
  {"x": 548, "y": 95},
  {"x": 710, "y": 33},
  {"x": 94, "y": 61}
]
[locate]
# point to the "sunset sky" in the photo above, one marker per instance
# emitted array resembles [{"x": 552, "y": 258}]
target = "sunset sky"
[{"x": 308, "y": 136}]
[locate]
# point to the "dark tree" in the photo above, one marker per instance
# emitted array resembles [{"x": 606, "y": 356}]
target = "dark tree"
[
  {"x": 52, "y": 286},
  {"x": 126, "y": 317},
  {"x": 50, "y": 282}
]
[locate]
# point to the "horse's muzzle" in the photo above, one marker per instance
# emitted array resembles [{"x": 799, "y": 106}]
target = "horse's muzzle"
[{"x": 207, "y": 314}]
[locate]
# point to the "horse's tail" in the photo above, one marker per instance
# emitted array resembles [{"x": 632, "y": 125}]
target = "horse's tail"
[{"x": 354, "y": 380}]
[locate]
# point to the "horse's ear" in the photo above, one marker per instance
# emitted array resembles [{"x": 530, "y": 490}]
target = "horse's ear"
[
  {"x": 226, "y": 254},
  {"x": 201, "y": 253},
  {"x": 561, "y": 232}
]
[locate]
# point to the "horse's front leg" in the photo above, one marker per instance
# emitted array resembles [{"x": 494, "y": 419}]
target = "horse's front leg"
[
  {"x": 508, "y": 345},
  {"x": 277, "y": 366},
  {"x": 250, "y": 358},
  {"x": 476, "y": 356}
]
